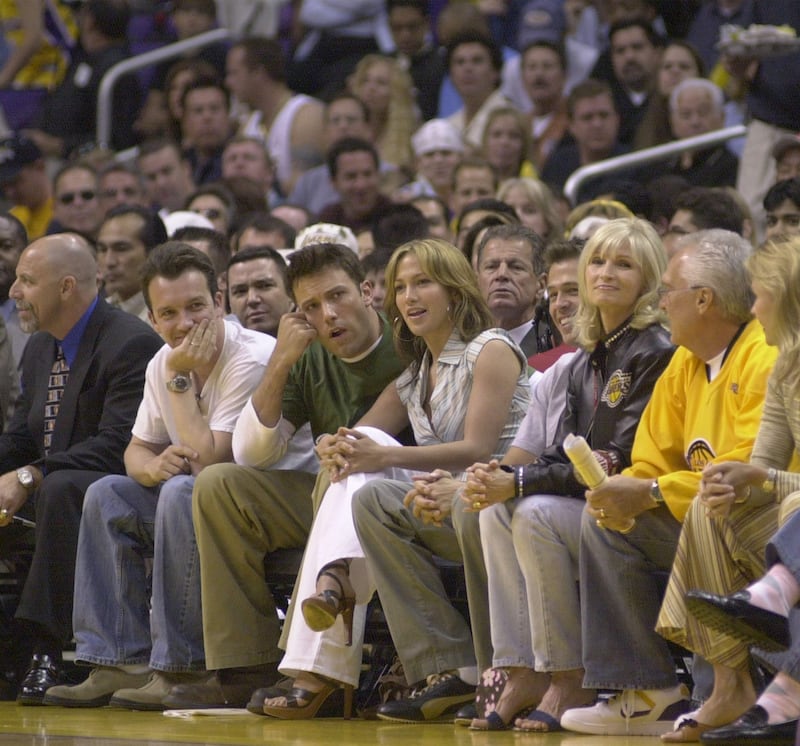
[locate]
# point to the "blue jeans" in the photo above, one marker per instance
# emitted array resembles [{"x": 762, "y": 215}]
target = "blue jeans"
[
  {"x": 123, "y": 525},
  {"x": 620, "y": 600}
]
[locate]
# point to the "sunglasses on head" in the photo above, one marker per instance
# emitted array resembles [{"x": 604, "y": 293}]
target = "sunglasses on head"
[{"x": 87, "y": 195}]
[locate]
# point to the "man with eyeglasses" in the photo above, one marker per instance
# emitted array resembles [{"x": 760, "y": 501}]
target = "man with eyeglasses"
[
  {"x": 705, "y": 408},
  {"x": 76, "y": 206}
]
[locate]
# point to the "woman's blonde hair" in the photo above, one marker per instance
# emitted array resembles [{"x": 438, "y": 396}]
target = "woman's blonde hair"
[
  {"x": 539, "y": 193},
  {"x": 445, "y": 264},
  {"x": 642, "y": 241},
  {"x": 776, "y": 266},
  {"x": 402, "y": 115}
]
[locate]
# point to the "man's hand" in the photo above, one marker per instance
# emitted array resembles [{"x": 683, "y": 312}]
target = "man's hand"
[
  {"x": 12, "y": 497},
  {"x": 619, "y": 500},
  {"x": 173, "y": 460},
  {"x": 486, "y": 485},
  {"x": 295, "y": 335},
  {"x": 431, "y": 497},
  {"x": 196, "y": 349}
]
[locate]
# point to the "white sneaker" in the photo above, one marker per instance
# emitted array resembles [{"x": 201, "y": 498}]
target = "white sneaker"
[{"x": 632, "y": 712}]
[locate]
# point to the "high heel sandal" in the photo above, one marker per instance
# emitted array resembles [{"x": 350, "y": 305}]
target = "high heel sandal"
[
  {"x": 292, "y": 710},
  {"x": 320, "y": 611}
]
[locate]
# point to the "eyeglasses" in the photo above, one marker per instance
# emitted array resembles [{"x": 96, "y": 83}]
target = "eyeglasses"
[
  {"x": 87, "y": 195},
  {"x": 663, "y": 291}
]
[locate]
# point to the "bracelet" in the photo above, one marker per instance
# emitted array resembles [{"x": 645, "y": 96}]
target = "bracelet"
[
  {"x": 320, "y": 437},
  {"x": 517, "y": 472}
]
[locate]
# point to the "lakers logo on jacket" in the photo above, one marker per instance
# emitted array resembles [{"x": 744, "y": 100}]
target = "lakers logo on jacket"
[
  {"x": 619, "y": 383},
  {"x": 699, "y": 454}
]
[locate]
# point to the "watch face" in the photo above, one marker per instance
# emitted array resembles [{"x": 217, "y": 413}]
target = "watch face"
[
  {"x": 179, "y": 384},
  {"x": 25, "y": 477}
]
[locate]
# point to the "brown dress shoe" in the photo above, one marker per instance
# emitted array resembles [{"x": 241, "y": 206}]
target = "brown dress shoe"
[{"x": 228, "y": 687}]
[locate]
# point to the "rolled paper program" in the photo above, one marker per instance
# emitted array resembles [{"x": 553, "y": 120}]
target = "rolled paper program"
[
  {"x": 582, "y": 458},
  {"x": 593, "y": 475}
]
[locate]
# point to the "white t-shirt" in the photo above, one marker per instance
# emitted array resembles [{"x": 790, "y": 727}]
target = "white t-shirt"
[{"x": 238, "y": 371}]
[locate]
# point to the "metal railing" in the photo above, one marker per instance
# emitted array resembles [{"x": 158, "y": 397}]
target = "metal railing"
[
  {"x": 146, "y": 59},
  {"x": 648, "y": 155}
]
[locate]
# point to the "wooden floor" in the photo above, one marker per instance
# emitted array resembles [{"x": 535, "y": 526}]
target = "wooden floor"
[{"x": 58, "y": 726}]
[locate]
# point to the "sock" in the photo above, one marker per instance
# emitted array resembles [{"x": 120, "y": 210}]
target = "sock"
[
  {"x": 134, "y": 668},
  {"x": 777, "y": 591},
  {"x": 781, "y": 699},
  {"x": 469, "y": 675}
]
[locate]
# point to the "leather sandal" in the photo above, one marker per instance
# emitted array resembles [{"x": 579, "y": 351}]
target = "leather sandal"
[
  {"x": 320, "y": 611},
  {"x": 302, "y": 704}
]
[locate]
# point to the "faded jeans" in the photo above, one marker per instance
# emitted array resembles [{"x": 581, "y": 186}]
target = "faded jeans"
[{"x": 123, "y": 525}]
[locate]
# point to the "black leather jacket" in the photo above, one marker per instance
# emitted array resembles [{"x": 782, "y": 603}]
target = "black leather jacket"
[{"x": 606, "y": 395}]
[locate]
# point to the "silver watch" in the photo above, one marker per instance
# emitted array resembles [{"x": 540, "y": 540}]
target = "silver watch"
[
  {"x": 25, "y": 478},
  {"x": 179, "y": 384}
]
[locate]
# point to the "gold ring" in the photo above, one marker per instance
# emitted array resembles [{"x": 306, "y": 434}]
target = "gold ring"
[
  {"x": 603, "y": 513},
  {"x": 476, "y": 505},
  {"x": 600, "y": 524}
]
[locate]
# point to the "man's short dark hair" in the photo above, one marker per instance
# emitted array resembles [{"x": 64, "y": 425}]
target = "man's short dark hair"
[
  {"x": 264, "y": 223},
  {"x": 251, "y": 253},
  {"x": 170, "y": 260},
  {"x": 642, "y": 23},
  {"x": 345, "y": 95},
  {"x": 420, "y": 5},
  {"x": 589, "y": 88},
  {"x": 491, "y": 204},
  {"x": 18, "y": 230},
  {"x": 476, "y": 37},
  {"x": 202, "y": 82},
  {"x": 72, "y": 166},
  {"x": 156, "y": 144},
  {"x": 350, "y": 145},
  {"x": 111, "y": 17},
  {"x": 152, "y": 231},
  {"x": 205, "y": 7},
  {"x": 557, "y": 49},
  {"x": 377, "y": 260},
  {"x": 217, "y": 243},
  {"x": 711, "y": 208},
  {"x": 318, "y": 257},
  {"x": 779, "y": 192},
  {"x": 516, "y": 233},
  {"x": 397, "y": 224},
  {"x": 264, "y": 53},
  {"x": 562, "y": 250}
]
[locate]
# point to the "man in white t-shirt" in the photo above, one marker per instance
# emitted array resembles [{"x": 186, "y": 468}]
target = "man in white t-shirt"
[{"x": 140, "y": 644}]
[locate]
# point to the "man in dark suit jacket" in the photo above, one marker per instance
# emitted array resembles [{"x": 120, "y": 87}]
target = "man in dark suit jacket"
[{"x": 47, "y": 462}]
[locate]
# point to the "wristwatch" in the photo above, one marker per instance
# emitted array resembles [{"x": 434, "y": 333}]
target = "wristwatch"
[
  {"x": 180, "y": 384},
  {"x": 25, "y": 478},
  {"x": 655, "y": 493}
]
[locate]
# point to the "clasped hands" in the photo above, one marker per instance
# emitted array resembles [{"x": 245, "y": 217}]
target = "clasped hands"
[
  {"x": 727, "y": 483},
  {"x": 349, "y": 451}
]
